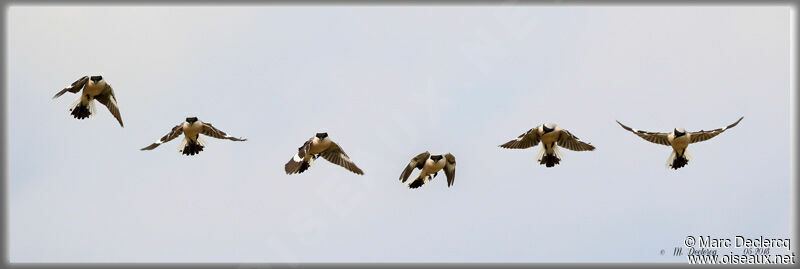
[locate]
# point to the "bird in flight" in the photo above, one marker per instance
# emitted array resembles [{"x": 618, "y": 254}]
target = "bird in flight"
[
  {"x": 552, "y": 137},
  {"x": 319, "y": 145},
  {"x": 430, "y": 165},
  {"x": 94, "y": 88},
  {"x": 192, "y": 142},
  {"x": 679, "y": 139}
]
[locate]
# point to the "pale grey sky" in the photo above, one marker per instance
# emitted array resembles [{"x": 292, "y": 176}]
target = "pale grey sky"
[{"x": 387, "y": 83}]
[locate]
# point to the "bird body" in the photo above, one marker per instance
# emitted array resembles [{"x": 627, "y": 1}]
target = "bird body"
[
  {"x": 191, "y": 130},
  {"x": 319, "y": 145},
  {"x": 92, "y": 89},
  {"x": 679, "y": 142},
  {"x": 432, "y": 166},
  {"x": 549, "y": 139}
]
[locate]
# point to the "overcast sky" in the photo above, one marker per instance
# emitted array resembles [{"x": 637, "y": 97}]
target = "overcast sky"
[{"x": 387, "y": 83}]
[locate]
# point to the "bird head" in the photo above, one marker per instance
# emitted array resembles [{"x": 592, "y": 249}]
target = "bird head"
[
  {"x": 96, "y": 78},
  {"x": 191, "y": 120},
  {"x": 322, "y": 136},
  {"x": 549, "y": 127},
  {"x": 436, "y": 158},
  {"x": 679, "y": 132}
]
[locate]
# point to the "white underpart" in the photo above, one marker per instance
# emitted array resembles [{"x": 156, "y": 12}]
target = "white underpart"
[
  {"x": 202, "y": 141},
  {"x": 185, "y": 140},
  {"x": 182, "y": 144},
  {"x": 92, "y": 109},
  {"x": 79, "y": 101},
  {"x": 75, "y": 104},
  {"x": 557, "y": 151},
  {"x": 540, "y": 155},
  {"x": 542, "y": 151}
]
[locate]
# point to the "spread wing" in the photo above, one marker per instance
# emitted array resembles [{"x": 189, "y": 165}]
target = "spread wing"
[
  {"x": 706, "y": 135},
  {"x": 176, "y": 131},
  {"x": 336, "y": 155},
  {"x": 108, "y": 99},
  {"x": 658, "y": 138},
  {"x": 523, "y": 141},
  {"x": 569, "y": 141},
  {"x": 75, "y": 87},
  {"x": 209, "y": 130},
  {"x": 450, "y": 169},
  {"x": 416, "y": 162},
  {"x": 293, "y": 166}
]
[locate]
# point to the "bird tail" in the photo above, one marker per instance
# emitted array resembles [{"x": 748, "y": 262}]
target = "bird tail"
[
  {"x": 419, "y": 181},
  {"x": 549, "y": 159},
  {"x": 298, "y": 165},
  {"x": 676, "y": 160},
  {"x": 189, "y": 147},
  {"x": 81, "y": 111},
  {"x": 304, "y": 166}
]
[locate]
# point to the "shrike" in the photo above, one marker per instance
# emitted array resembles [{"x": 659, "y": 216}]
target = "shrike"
[
  {"x": 94, "y": 88},
  {"x": 679, "y": 139},
  {"x": 430, "y": 165},
  {"x": 551, "y": 136},
  {"x": 192, "y": 142},
  {"x": 319, "y": 145}
]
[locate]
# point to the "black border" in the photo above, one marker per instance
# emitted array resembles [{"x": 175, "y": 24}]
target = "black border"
[{"x": 793, "y": 95}]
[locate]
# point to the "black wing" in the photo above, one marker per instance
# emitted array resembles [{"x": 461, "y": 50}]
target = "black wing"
[
  {"x": 450, "y": 169},
  {"x": 569, "y": 141},
  {"x": 416, "y": 162},
  {"x": 658, "y": 138},
  {"x": 336, "y": 155},
  {"x": 523, "y": 141},
  {"x": 175, "y": 132},
  {"x": 706, "y": 135},
  {"x": 209, "y": 130},
  {"x": 108, "y": 99},
  {"x": 294, "y": 164},
  {"x": 75, "y": 87}
]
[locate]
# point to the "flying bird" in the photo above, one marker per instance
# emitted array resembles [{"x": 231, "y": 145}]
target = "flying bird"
[
  {"x": 192, "y": 142},
  {"x": 320, "y": 145},
  {"x": 551, "y": 136},
  {"x": 94, "y": 88},
  {"x": 430, "y": 165},
  {"x": 679, "y": 139}
]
